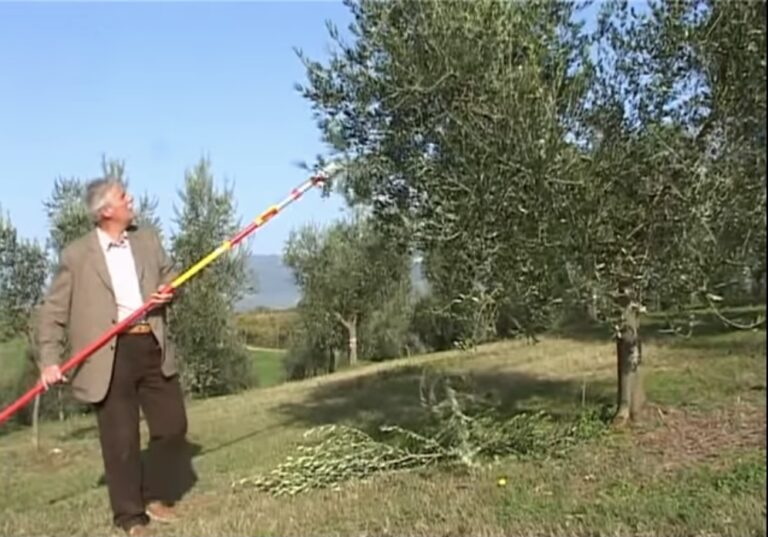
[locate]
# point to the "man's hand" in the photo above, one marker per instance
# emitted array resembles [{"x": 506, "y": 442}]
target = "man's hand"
[
  {"x": 50, "y": 375},
  {"x": 159, "y": 298}
]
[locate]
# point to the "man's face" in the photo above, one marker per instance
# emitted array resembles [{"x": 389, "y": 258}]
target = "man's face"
[{"x": 119, "y": 206}]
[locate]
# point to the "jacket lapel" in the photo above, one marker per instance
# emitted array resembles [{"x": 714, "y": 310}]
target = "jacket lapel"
[{"x": 99, "y": 263}]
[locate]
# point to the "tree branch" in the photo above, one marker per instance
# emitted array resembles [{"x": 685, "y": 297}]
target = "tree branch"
[{"x": 733, "y": 324}]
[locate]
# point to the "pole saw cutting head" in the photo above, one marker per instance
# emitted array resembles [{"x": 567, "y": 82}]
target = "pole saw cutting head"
[{"x": 328, "y": 172}]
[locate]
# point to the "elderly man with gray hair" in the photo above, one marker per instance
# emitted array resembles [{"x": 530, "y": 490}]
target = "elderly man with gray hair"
[{"x": 103, "y": 277}]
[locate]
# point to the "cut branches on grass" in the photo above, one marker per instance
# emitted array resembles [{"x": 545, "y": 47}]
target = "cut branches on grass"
[{"x": 464, "y": 430}]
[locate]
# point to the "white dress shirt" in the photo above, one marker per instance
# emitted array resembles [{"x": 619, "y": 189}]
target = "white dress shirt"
[{"x": 122, "y": 272}]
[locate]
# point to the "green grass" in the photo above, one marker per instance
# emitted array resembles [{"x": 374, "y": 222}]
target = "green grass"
[
  {"x": 694, "y": 466},
  {"x": 724, "y": 500},
  {"x": 267, "y": 366}
]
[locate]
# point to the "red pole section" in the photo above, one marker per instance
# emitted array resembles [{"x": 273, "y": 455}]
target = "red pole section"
[
  {"x": 74, "y": 361},
  {"x": 84, "y": 353}
]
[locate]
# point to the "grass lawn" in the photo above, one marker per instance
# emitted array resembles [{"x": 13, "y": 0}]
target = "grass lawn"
[
  {"x": 695, "y": 465},
  {"x": 267, "y": 366}
]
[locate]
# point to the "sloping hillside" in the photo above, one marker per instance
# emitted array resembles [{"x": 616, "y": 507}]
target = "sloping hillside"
[{"x": 696, "y": 465}]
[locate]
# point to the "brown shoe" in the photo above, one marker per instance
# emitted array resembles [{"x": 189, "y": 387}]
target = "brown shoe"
[
  {"x": 161, "y": 513},
  {"x": 138, "y": 530}
]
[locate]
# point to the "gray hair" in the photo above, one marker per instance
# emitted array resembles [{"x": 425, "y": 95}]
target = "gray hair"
[{"x": 96, "y": 195}]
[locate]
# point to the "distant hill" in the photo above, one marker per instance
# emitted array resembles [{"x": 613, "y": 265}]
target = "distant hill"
[{"x": 275, "y": 286}]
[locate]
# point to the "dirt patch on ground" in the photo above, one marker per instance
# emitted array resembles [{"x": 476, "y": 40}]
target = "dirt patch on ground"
[{"x": 681, "y": 437}]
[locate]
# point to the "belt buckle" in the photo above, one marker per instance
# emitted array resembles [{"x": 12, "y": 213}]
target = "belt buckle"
[{"x": 141, "y": 327}]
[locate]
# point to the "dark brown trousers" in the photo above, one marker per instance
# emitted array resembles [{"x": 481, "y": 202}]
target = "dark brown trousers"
[{"x": 137, "y": 381}]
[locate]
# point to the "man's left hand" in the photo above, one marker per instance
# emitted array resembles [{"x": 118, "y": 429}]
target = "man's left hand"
[{"x": 159, "y": 298}]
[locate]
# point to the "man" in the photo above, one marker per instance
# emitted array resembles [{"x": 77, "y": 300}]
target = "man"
[{"x": 102, "y": 278}]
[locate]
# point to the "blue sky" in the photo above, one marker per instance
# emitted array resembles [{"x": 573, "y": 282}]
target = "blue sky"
[{"x": 160, "y": 86}]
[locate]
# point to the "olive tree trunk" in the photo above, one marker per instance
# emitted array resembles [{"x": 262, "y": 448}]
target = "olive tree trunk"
[
  {"x": 629, "y": 355},
  {"x": 351, "y": 326}
]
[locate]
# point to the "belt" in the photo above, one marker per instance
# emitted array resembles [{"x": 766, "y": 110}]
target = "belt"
[{"x": 141, "y": 328}]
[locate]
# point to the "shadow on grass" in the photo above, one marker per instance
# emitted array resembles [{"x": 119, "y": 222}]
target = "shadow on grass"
[
  {"x": 178, "y": 469},
  {"x": 653, "y": 328},
  {"x": 393, "y": 398},
  {"x": 242, "y": 438},
  {"x": 707, "y": 332},
  {"x": 744, "y": 343},
  {"x": 183, "y": 476},
  {"x": 85, "y": 431}
]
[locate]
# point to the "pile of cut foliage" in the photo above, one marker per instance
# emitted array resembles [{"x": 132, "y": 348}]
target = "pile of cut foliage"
[{"x": 462, "y": 429}]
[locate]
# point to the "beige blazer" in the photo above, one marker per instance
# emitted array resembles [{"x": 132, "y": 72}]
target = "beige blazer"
[{"x": 80, "y": 304}]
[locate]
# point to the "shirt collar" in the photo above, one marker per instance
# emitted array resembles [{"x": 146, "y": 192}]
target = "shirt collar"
[{"x": 107, "y": 243}]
